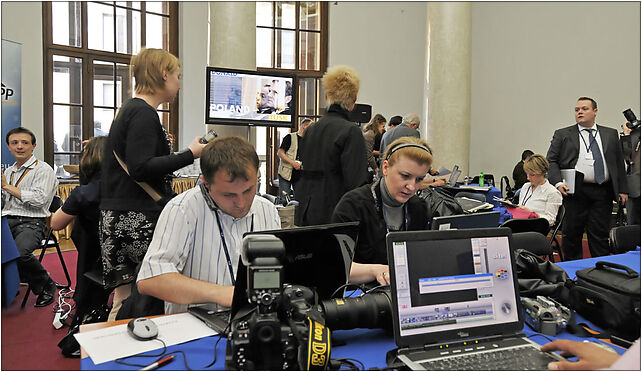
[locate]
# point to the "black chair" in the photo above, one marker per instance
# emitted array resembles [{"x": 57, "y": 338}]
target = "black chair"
[
  {"x": 471, "y": 195},
  {"x": 555, "y": 243},
  {"x": 51, "y": 241},
  {"x": 624, "y": 238},
  {"x": 488, "y": 180},
  {"x": 533, "y": 242},
  {"x": 518, "y": 225}
]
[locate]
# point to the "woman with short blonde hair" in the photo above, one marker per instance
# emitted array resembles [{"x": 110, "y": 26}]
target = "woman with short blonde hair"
[
  {"x": 538, "y": 195},
  {"x": 341, "y": 86}
]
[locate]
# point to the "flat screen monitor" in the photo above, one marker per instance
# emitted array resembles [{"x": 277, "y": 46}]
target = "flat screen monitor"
[
  {"x": 318, "y": 257},
  {"x": 238, "y": 97}
]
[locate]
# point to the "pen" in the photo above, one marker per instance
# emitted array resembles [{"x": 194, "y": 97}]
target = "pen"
[{"x": 160, "y": 363}]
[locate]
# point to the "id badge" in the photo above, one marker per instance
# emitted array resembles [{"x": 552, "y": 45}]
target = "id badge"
[{"x": 589, "y": 157}]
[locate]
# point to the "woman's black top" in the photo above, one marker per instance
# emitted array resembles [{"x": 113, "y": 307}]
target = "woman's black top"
[
  {"x": 361, "y": 205},
  {"x": 142, "y": 143}
]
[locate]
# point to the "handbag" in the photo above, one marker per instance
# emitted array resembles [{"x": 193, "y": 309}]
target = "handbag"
[
  {"x": 537, "y": 277},
  {"x": 440, "y": 203},
  {"x": 158, "y": 198},
  {"x": 609, "y": 296}
]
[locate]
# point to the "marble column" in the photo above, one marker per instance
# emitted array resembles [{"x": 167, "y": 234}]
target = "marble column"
[
  {"x": 232, "y": 44},
  {"x": 447, "y": 83}
]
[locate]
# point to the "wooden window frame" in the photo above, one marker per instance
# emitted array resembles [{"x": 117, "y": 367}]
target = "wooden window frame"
[{"x": 88, "y": 56}]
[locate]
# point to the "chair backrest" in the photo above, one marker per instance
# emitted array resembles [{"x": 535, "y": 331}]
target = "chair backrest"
[
  {"x": 56, "y": 203},
  {"x": 624, "y": 238},
  {"x": 518, "y": 225},
  {"x": 471, "y": 195},
  {"x": 533, "y": 242},
  {"x": 561, "y": 212}
]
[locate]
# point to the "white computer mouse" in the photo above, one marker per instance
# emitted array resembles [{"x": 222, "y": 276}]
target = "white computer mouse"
[{"x": 142, "y": 329}]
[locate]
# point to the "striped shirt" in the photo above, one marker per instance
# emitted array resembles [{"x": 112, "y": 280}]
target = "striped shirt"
[
  {"x": 38, "y": 185},
  {"x": 187, "y": 240}
]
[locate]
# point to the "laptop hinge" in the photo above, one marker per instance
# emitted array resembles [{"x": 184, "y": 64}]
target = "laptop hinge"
[{"x": 464, "y": 342}]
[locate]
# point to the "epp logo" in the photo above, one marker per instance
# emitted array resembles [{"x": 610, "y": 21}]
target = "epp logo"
[{"x": 6, "y": 92}]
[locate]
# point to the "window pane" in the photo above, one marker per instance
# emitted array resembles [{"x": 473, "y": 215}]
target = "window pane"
[
  {"x": 100, "y": 26},
  {"x": 309, "y": 15},
  {"x": 157, "y": 29},
  {"x": 264, "y": 47},
  {"x": 264, "y": 14},
  {"x": 286, "y": 14},
  {"x": 129, "y": 4},
  {"x": 127, "y": 31},
  {"x": 60, "y": 160},
  {"x": 261, "y": 138},
  {"x": 321, "y": 104},
  {"x": 309, "y": 50},
  {"x": 65, "y": 23},
  {"x": 103, "y": 83},
  {"x": 285, "y": 49},
  {"x": 102, "y": 121},
  {"x": 67, "y": 128},
  {"x": 124, "y": 87},
  {"x": 67, "y": 80},
  {"x": 306, "y": 96},
  {"x": 157, "y": 7}
]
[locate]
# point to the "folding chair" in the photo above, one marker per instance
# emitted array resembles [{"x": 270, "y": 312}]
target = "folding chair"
[
  {"x": 51, "y": 241},
  {"x": 555, "y": 243}
]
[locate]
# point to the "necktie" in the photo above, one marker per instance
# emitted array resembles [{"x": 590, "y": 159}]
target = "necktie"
[{"x": 598, "y": 165}]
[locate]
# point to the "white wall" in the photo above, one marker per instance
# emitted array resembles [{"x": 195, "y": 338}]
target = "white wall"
[
  {"x": 385, "y": 43},
  {"x": 193, "y": 32},
  {"x": 22, "y": 23},
  {"x": 531, "y": 61}
]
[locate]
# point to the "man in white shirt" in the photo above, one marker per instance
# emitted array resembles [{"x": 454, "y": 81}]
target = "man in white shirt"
[
  {"x": 196, "y": 245},
  {"x": 28, "y": 187},
  {"x": 594, "y": 152}
]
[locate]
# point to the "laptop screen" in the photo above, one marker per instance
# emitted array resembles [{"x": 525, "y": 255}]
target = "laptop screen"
[
  {"x": 466, "y": 221},
  {"x": 452, "y": 284}
]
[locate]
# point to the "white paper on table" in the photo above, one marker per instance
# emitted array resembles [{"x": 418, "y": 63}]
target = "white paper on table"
[{"x": 111, "y": 343}]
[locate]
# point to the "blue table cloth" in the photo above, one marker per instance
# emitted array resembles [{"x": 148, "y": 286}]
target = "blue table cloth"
[{"x": 10, "y": 276}]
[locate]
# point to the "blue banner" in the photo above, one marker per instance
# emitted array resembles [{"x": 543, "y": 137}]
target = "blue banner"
[{"x": 11, "y": 94}]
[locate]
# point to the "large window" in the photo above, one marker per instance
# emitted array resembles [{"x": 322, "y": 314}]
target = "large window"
[
  {"x": 88, "y": 47},
  {"x": 292, "y": 36}
]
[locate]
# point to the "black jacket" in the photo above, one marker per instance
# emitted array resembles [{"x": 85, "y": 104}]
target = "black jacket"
[
  {"x": 334, "y": 162},
  {"x": 139, "y": 140},
  {"x": 360, "y": 205},
  {"x": 564, "y": 150}
]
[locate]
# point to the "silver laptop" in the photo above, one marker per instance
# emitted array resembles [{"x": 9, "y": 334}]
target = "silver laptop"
[
  {"x": 456, "y": 302},
  {"x": 454, "y": 176}
]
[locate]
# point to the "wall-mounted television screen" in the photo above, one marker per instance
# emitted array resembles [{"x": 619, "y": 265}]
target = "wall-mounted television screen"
[{"x": 238, "y": 97}]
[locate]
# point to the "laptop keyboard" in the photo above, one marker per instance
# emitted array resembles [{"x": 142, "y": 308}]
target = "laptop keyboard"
[{"x": 520, "y": 358}]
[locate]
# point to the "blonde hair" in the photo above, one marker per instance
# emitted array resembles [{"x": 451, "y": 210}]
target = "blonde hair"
[
  {"x": 148, "y": 66},
  {"x": 537, "y": 164},
  {"x": 417, "y": 154},
  {"x": 341, "y": 85}
]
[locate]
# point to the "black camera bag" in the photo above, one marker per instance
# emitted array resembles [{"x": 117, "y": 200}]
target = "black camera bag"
[{"x": 609, "y": 296}]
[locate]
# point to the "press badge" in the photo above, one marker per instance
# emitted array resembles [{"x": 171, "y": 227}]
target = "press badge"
[{"x": 589, "y": 156}]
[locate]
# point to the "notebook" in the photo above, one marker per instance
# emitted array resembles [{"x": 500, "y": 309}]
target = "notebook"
[
  {"x": 466, "y": 221},
  {"x": 456, "y": 302},
  {"x": 454, "y": 176}
]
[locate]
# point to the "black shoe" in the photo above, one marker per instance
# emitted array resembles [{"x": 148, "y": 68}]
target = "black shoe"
[{"x": 46, "y": 297}]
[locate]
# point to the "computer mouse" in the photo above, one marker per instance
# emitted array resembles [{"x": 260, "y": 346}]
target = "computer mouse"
[{"x": 142, "y": 329}]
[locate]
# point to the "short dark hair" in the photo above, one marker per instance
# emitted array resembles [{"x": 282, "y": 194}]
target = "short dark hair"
[
  {"x": 21, "y": 130},
  {"x": 593, "y": 103},
  {"x": 231, "y": 154},
  {"x": 92, "y": 156},
  {"x": 395, "y": 120},
  {"x": 526, "y": 154}
]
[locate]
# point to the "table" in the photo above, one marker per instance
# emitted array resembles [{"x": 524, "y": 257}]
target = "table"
[
  {"x": 179, "y": 185},
  {"x": 367, "y": 345}
]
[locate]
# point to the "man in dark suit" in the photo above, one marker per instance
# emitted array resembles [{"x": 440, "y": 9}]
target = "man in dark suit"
[
  {"x": 631, "y": 149},
  {"x": 594, "y": 152}
]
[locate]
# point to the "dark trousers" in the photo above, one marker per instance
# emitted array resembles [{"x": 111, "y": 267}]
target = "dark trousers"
[
  {"x": 589, "y": 208},
  {"x": 633, "y": 211},
  {"x": 28, "y": 234}
]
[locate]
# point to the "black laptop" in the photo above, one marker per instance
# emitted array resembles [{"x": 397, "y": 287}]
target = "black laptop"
[
  {"x": 466, "y": 221},
  {"x": 456, "y": 302}
]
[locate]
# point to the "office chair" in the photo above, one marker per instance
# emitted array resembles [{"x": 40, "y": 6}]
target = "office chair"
[
  {"x": 489, "y": 179},
  {"x": 51, "y": 241},
  {"x": 555, "y": 243},
  {"x": 533, "y": 242},
  {"x": 624, "y": 238},
  {"x": 518, "y": 225}
]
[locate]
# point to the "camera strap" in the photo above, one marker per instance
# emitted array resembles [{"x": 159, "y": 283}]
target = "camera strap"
[{"x": 318, "y": 355}]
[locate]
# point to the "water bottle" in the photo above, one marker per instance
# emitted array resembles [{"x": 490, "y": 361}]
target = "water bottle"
[
  {"x": 466, "y": 180},
  {"x": 481, "y": 178}
]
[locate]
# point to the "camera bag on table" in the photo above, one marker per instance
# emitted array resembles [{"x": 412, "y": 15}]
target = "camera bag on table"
[{"x": 609, "y": 296}]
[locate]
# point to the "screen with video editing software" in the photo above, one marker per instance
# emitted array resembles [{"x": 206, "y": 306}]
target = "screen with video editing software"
[
  {"x": 236, "y": 97},
  {"x": 452, "y": 284}
]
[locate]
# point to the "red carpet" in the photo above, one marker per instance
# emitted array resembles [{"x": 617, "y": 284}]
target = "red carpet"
[{"x": 29, "y": 340}]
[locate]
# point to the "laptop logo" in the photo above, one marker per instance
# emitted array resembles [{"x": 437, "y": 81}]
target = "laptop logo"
[{"x": 463, "y": 334}]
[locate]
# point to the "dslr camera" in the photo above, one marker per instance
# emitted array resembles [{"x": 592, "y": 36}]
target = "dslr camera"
[
  {"x": 632, "y": 120},
  {"x": 545, "y": 315}
]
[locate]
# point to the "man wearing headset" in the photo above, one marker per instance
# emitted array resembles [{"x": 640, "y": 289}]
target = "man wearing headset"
[{"x": 197, "y": 242}]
